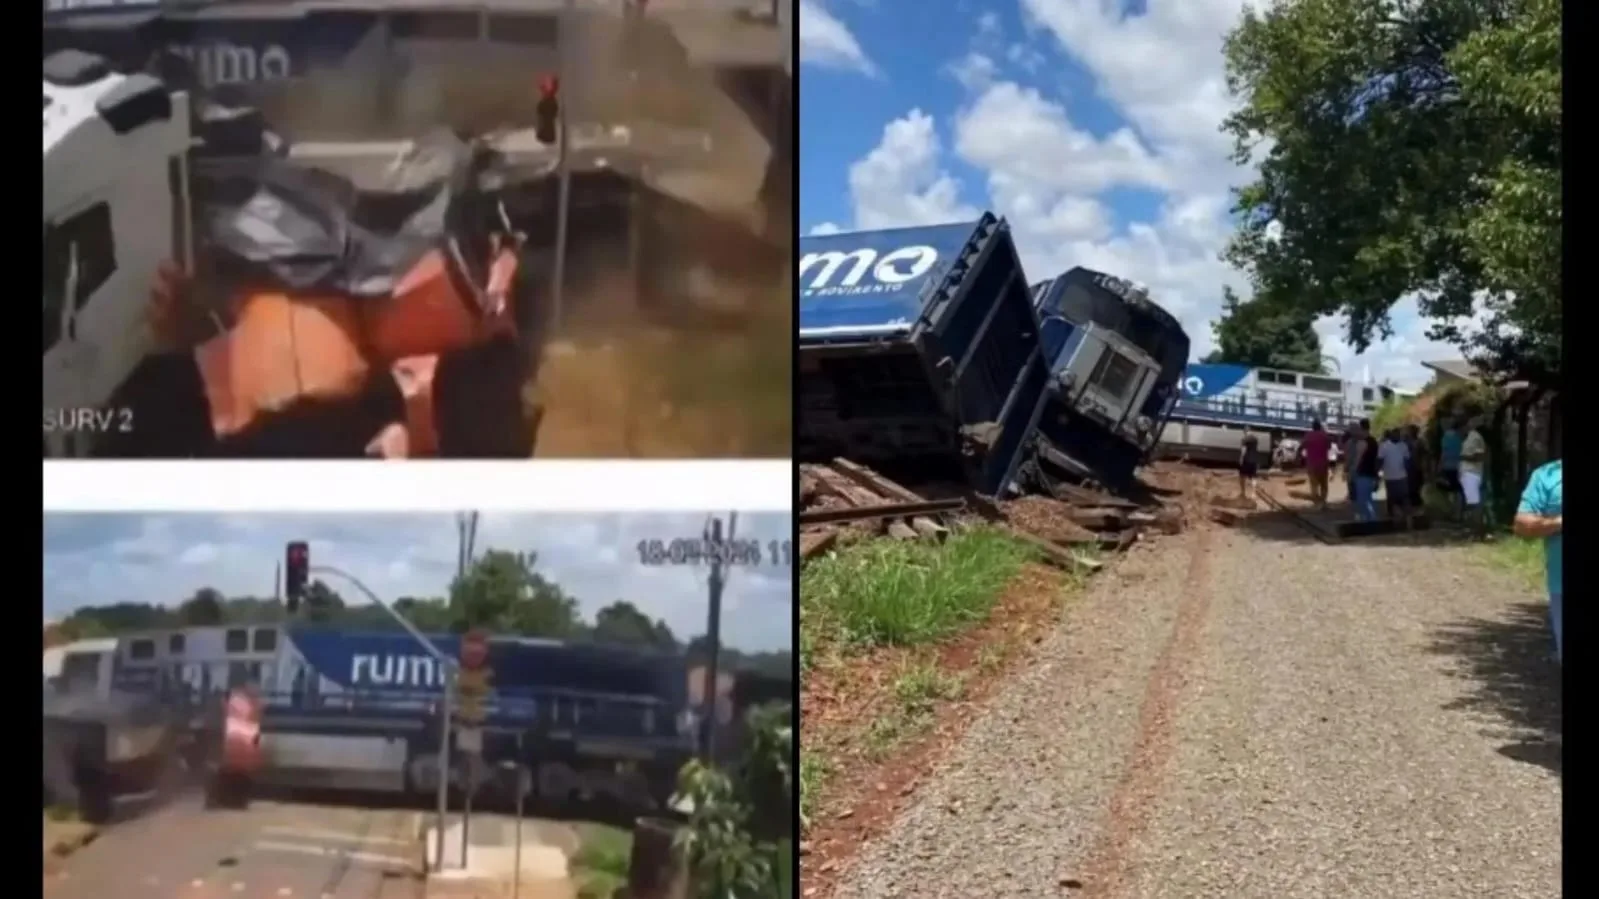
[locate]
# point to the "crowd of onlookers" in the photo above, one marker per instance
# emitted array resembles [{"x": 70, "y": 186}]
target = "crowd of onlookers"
[
  {"x": 1395, "y": 462},
  {"x": 1401, "y": 464}
]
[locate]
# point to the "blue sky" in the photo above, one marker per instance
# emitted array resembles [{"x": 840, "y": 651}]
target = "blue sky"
[
  {"x": 1091, "y": 125},
  {"x": 99, "y": 558}
]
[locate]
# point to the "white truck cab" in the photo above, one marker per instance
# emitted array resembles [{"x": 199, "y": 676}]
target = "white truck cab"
[{"x": 115, "y": 208}]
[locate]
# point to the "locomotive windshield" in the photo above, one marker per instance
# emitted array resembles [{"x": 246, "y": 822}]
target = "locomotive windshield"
[
  {"x": 1115, "y": 375},
  {"x": 1082, "y": 295}
]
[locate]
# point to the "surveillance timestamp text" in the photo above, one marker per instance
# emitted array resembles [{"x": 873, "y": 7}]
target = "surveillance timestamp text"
[{"x": 654, "y": 552}]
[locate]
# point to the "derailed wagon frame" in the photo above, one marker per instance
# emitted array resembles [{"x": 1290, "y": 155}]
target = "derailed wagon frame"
[{"x": 919, "y": 348}]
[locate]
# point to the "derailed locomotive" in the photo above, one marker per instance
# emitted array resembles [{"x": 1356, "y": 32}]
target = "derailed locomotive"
[{"x": 923, "y": 349}]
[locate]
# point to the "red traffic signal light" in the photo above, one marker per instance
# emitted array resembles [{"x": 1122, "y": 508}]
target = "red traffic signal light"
[
  {"x": 296, "y": 573},
  {"x": 548, "y": 111}
]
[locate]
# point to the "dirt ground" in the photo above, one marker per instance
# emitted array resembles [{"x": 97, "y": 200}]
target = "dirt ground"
[
  {"x": 862, "y": 793},
  {"x": 611, "y": 387},
  {"x": 642, "y": 392},
  {"x": 1236, "y": 711}
]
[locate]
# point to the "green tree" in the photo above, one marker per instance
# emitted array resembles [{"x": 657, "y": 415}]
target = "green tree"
[
  {"x": 1257, "y": 333},
  {"x": 253, "y": 610},
  {"x": 623, "y": 623},
  {"x": 431, "y": 615},
  {"x": 118, "y": 618},
  {"x": 322, "y": 604},
  {"x": 78, "y": 627},
  {"x": 206, "y": 608},
  {"x": 738, "y": 836},
  {"x": 1406, "y": 149},
  {"x": 504, "y": 592}
]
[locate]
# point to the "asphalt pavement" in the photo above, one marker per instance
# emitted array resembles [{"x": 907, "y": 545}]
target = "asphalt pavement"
[{"x": 270, "y": 849}]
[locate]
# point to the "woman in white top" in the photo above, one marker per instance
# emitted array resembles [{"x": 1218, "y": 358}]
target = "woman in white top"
[{"x": 1473, "y": 458}]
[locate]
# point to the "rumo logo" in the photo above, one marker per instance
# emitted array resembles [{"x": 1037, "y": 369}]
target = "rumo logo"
[
  {"x": 395, "y": 671},
  {"x": 1193, "y": 386},
  {"x": 219, "y": 62},
  {"x": 863, "y": 271}
]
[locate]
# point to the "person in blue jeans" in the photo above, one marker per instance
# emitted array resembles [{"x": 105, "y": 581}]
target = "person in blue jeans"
[
  {"x": 1363, "y": 469},
  {"x": 1539, "y": 517}
]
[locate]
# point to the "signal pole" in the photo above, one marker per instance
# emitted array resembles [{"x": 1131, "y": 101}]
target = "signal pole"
[
  {"x": 447, "y": 668},
  {"x": 564, "y": 168},
  {"x": 713, "y": 627}
]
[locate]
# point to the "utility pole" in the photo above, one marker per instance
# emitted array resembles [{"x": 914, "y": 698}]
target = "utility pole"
[
  {"x": 563, "y": 164},
  {"x": 466, "y": 528},
  {"x": 713, "y": 627},
  {"x": 466, "y": 543}
]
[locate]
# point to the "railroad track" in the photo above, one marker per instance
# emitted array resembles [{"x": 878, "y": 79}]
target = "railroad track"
[{"x": 1277, "y": 505}]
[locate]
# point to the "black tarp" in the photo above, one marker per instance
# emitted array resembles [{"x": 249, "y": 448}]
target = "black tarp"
[{"x": 309, "y": 229}]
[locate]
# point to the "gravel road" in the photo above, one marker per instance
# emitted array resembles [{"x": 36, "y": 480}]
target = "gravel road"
[{"x": 1246, "y": 713}]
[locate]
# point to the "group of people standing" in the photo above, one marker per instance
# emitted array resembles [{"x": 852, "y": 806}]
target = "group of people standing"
[{"x": 1397, "y": 461}]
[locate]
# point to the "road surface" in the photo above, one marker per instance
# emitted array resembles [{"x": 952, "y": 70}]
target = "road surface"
[
  {"x": 1246, "y": 713},
  {"x": 276, "y": 850}
]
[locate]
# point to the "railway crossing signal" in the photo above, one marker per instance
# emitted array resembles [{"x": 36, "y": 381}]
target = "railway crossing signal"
[
  {"x": 296, "y": 574},
  {"x": 548, "y": 111},
  {"x": 472, "y": 680}
]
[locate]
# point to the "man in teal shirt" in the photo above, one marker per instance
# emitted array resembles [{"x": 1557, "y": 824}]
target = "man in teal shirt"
[
  {"x": 1539, "y": 516},
  {"x": 1449, "y": 464}
]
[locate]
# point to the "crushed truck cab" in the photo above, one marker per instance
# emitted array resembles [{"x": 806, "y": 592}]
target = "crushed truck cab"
[
  {"x": 228, "y": 297},
  {"x": 115, "y": 188}
]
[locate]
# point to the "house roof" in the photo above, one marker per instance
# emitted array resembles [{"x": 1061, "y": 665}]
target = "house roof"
[{"x": 1455, "y": 368}]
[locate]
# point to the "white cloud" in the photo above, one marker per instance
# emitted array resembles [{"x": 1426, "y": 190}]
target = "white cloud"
[
  {"x": 1025, "y": 57},
  {"x": 198, "y": 554},
  {"x": 824, "y": 229},
  {"x": 974, "y": 70},
  {"x": 826, "y": 41},
  {"x": 900, "y": 182},
  {"x": 1161, "y": 71},
  {"x": 105, "y": 558},
  {"x": 1015, "y": 134}
]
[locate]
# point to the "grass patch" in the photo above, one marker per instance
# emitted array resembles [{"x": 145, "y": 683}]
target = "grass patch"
[
  {"x": 60, "y": 813},
  {"x": 788, "y": 870},
  {"x": 1519, "y": 555},
  {"x": 814, "y": 769},
  {"x": 670, "y": 394},
  {"x": 917, "y": 692},
  {"x": 601, "y": 862},
  {"x": 902, "y": 592},
  {"x": 991, "y": 657}
]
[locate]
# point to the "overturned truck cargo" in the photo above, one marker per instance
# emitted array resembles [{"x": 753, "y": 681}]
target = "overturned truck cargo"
[{"x": 919, "y": 350}]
